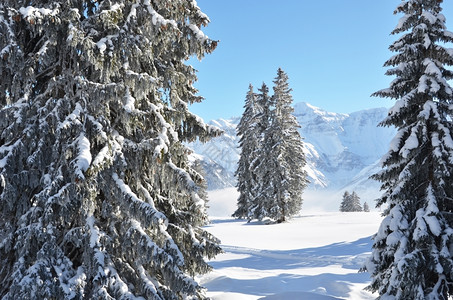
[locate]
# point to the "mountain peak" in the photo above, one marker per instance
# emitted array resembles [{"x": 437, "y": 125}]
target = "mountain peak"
[{"x": 306, "y": 110}]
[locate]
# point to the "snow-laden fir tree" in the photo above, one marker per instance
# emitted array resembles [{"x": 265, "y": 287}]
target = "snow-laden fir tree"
[
  {"x": 411, "y": 257},
  {"x": 350, "y": 202},
  {"x": 261, "y": 119},
  {"x": 201, "y": 181},
  {"x": 249, "y": 131},
  {"x": 366, "y": 207},
  {"x": 282, "y": 176},
  {"x": 344, "y": 201},
  {"x": 98, "y": 200}
]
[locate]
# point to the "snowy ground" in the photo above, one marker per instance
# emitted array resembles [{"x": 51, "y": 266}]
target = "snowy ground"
[{"x": 314, "y": 256}]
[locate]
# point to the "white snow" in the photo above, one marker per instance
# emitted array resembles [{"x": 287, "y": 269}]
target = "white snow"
[
  {"x": 9, "y": 151},
  {"x": 198, "y": 33},
  {"x": 106, "y": 41},
  {"x": 94, "y": 232},
  {"x": 158, "y": 217},
  {"x": 158, "y": 19},
  {"x": 316, "y": 255},
  {"x": 37, "y": 12},
  {"x": 101, "y": 45},
  {"x": 410, "y": 143},
  {"x": 429, "y": 16},
  {"x": 83, "y": 159},
  {"x": 402, "y": 22},
  {"x": 101, "y": 156},
  {"x": 129, "y": 101}
]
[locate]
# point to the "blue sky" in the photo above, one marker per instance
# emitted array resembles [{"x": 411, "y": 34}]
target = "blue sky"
[{"x": 332, "y": 50}]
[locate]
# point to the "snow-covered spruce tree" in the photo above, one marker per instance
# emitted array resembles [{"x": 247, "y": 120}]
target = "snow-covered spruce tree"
[
  {"x": 99, "y": 200},
  {"x": 366, "y": 207},
  {"x": 284, "y": 176},
  {"x": 344, "y": 201},
  {"x": 350, "y": 202},
  {"x": 411, "y": 256},
  {"x": 250, "y": 140},
  {"x": 355, "y": 202},
  {"x": 201, "y": 181},
  {"x": 258, "y": 168}
]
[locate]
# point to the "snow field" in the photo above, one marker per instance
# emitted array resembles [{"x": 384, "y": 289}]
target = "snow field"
[{"x": 316, "y": 255}]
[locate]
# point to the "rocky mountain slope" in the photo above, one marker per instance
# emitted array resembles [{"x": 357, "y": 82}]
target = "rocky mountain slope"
[{"x": 342, "y": 150}]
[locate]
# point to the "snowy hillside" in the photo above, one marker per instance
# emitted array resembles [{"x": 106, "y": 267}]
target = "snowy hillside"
[
  {"x": 300, "y": 259},
  {"x": 342, "y": 150}
]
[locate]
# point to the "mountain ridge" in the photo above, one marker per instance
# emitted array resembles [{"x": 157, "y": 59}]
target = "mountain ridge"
[{"x": 342, "y": 150}]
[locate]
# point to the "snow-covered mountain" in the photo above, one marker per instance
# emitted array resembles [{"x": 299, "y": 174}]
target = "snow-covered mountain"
[{"x": 342, "y": 150}]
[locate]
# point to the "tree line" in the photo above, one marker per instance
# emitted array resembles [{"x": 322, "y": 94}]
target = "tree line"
[{"x": 351, "y": 203}]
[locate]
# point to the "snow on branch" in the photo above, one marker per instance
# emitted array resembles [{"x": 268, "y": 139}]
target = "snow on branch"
[
  {"x": 149, "y": 286},
  {"x": 396, "y": 141},
  {"x": 428, "y": 108},
  {"x": 71, "y": 118},
  {"x": 402, "y": 103},
  {"x": 155, "y": 254},
  {"x": 158, "y": 19},
  {"x": 9, "y": 150},
  {"x": 83, "y": 159},
  {"x": 407, "y": 171},
  {"x": 141, "y": 83},
  {"x": 99, "y": 256},
  {"x": 106, "y": 41},
  {"x": 38, "y": 13},
  {"x": 200, "y": 14},
  {"x": 129, "y": 101},
  {"x": 432, "y": 19},
  {"x": 139, "y": 208},
  {"x": 402, "y": 23},
  {"x": 427, "y": 217},
  {"x": 101, "y": 156},
  {"x": 198, "y": 33},
  {"x": 410, "y": 143},
  {"x": 98, "y": 126},
  {"x": 166, "y": 129},
  {"x": 183, "y": 177}
]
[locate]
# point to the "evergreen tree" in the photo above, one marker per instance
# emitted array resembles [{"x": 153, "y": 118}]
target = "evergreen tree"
[
  {"x": 350, "y": 202},
  {"x": 199, "y": 179},
  {"x": 250, "y": 140},
  {"x": 345, "y": 201},
  {"x": 258, "y": 168},
  {"x": 366, "y": 207},
  {"x": 411, "y": 256},
  {"x": 98, "y": 199},
  {"x": 284, "y": 176},
  {"x": 355, "y": 202}
]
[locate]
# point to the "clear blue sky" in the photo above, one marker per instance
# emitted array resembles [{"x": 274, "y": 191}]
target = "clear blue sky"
[{"x": 332, "y": 50}]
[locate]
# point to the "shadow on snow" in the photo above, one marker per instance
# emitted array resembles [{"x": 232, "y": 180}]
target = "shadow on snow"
[{"x": 286, "y": 270}]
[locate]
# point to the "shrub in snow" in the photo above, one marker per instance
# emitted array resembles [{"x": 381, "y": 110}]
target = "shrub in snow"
[
  {"x": 411, "y": 256},
  {"x": 98, "y": 199}
]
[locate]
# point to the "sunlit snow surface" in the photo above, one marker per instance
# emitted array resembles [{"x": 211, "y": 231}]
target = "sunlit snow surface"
[{"x": 316, "y": 255}]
